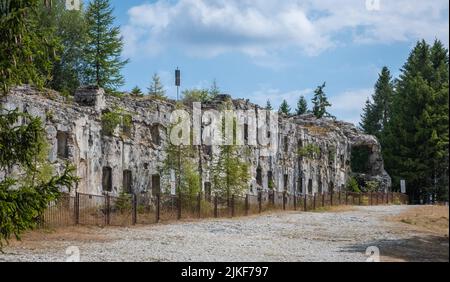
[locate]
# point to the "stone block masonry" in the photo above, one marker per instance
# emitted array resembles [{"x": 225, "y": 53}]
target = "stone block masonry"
[{"x": 313, "y": 156}]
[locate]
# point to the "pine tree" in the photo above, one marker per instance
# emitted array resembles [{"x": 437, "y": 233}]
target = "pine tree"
[
  {"x": 70, "y": 27},
  {"x": 156, "y": 88},
  {"x": 137, "y": 92},
  {"x": 214, "y": 90},
  {"x": 284, "y": 108},
  {"x": 376, "y": 115},
  {"x": 27, "y": 49},
  {"x": 104, "y": 48},
  {"x": 302, "y": 106},
  {"x": 269, "y": 106},
  {"x": 416, "y": 137},
  {"x": 24, "y": 197},
  {"x": 320, "y": 102}
]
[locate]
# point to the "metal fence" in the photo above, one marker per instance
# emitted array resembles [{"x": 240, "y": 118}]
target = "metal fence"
[{"x": 126, "y": 210}]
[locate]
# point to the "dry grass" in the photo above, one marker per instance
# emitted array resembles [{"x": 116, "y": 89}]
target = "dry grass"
[
  {"x": 335, "y": 209},
  {"x": 432, "y": 219}
]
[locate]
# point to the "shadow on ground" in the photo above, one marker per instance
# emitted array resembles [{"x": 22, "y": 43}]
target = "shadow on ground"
[{"x": 428, "y": 248}]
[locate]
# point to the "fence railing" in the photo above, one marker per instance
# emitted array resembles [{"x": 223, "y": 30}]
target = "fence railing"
[{"x": 126, "y": 210}]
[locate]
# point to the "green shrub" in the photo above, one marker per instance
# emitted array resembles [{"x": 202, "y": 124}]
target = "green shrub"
[{"x": 352, "y": 185}]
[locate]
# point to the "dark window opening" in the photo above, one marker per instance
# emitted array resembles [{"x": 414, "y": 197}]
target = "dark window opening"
[
  {"x": 259, "y": 176},
  {"x": 320, "y": 187},
  {"x": 331, "y": 187},
  {"x": 207, "y": 150},
  {"x": 300, "y": 185},
  {"x": 63, "y": 148},
  {"x": 246, "y": 133},
  {"x": 300, "y": 144},
  {"x": 156, "y": 138},
  {"x": 127, "y": 181},
  {"x": 310, "y": 186},
  {"x": 107, "y": 179},
  {"x": 342, "y": 159},
  {"x": 156, "y": 184}
]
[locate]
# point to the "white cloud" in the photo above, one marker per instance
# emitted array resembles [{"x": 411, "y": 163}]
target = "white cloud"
[
  {"x": 261, "y": 28},
  {"x": 348, "y": 105}
]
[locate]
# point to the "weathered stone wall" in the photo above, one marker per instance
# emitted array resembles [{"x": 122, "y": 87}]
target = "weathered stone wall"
[{"x": 142, "y": 151}]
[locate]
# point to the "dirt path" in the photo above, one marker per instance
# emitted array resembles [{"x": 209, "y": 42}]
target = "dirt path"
[{"x": 342, "y": 235}]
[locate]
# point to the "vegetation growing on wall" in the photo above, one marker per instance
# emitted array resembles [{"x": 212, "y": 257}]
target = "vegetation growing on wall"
[
  {"x": 310, "y": 151},
  {"x": 114, "y": 118}
]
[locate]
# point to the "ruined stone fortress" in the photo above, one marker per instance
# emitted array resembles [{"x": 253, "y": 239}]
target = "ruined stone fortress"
[{"x": 132, "y": 162}]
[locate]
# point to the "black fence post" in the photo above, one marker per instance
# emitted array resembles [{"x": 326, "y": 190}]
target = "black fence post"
[
  {"x": 232, "y": 205},
  {"x": 77, "y": 208},
  {"x": 323, "y": 199},
  {"x": 260, "y": 202},
  {"x": 339, "y": 195},
  {"x": 346, "y": 198},
  {"x": 158, "y": 207},
  {"x": 107, "y": 209},
  {"x": 359, "y": 199},
  {"x": 305, "y": 202},
  {"x": 284, "y": 200},
  {"x": 199, "y": 204},
  {"x": 134, "y": 209},
  {"x": 314, "y": 201},
  {"x": 215, "y": 207},
  {"x": 331, "y": 198},
  {"x": 295, "y": 201},
  {"x": 246, "y": 205},
  {"x": 179, "y": 206}
]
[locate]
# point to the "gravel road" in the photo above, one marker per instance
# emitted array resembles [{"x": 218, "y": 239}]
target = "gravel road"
[{"x": 292, "y": 236}]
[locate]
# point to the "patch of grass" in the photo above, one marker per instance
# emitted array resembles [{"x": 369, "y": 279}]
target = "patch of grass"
[{"x": 434, "y": 219}]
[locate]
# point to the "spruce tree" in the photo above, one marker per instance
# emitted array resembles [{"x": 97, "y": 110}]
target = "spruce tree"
[
  {"x": 71, "y": 29},
  {"x": 269, "y": 106},
  {"x": 136, "y": 91},
  {"x": 320, "y": 102},
  {"x": 376, "y": 115},
  {"x": 302, "y": 106},
  {"x": 104, "y": 48},
  {"x": 25, "y": 196},
  {"x": 284, "y": 108},
  {"x": 27, "y": 49},
  {"x": 416, "y": 137},
  {"x": 156, "y": 88}
]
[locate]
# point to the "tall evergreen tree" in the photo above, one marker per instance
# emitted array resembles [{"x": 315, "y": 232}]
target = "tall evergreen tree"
[
  {"x": 320, "y": 102},
  {"x": 136, "y": 91},
  {"x": 27, "y": 49},
  {"x": 376, "y": 115},
  {"x": 269, "y": 106},
  {"x": 285, "y": 108},
  {"x": 70, "y": 27},
  {"x": 302, "y": 106},
  {"x": 156, "y": 88},
  {"x": 104, "y": 48},
  {"x": 416, "y": 137}
]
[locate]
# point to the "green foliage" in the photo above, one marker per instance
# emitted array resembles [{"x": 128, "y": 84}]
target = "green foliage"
[
  {"x": 376, "y": 115},
  {"x": 196, "y": 95},
  {"x": 124, "y": 203},
  {"x": 360, "y": 159},
  {"x": 117, "y": 117},
  {"x": 27, "y": 47},
  {"x": 269, "y": 106},
  {"x": 352, "y": 185},
  {"x": 214, "y": 90},
  {"x": 302, "y": 106},
  {"x": 71, "y": 30},
  {"x": 23, "y": 198},
  {"x": 310, "y": 151},
  {"x": 372, "y": 186},
  {"x": 104, "y": 47},
  {"x": 284, "y": 108},
  {"x": 137, "y": 92},
  {"x": 156, "y": 89},
  {"x": 415, "y": 140},
  {"x": 321, "y": 103}
]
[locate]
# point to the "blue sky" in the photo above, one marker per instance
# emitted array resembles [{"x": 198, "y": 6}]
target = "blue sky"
[{"x": 267, "y": 49}]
